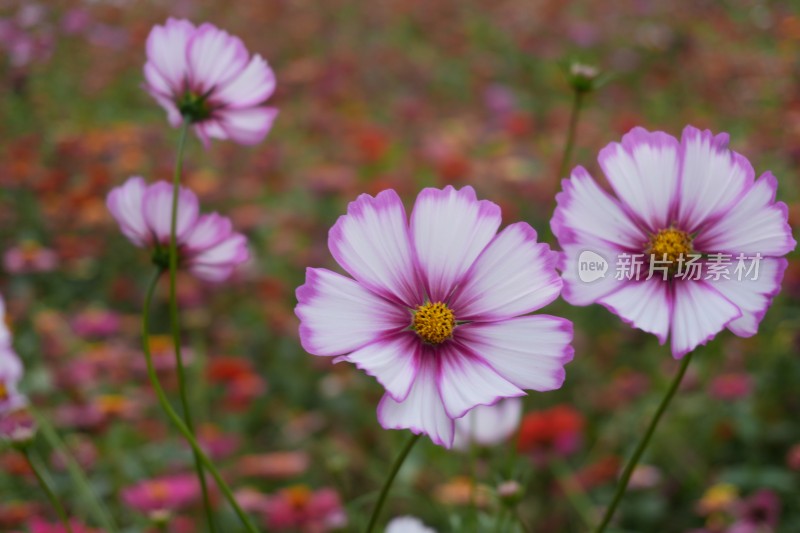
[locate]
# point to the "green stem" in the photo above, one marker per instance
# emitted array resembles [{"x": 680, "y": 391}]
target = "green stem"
[
  {"x": 573, "y": 126},
  {"x": 40, "y": 471},
  {"x": 98, "y": 510},
  {"x": 388, "y": 483},
  {"x": 176, "y": 419},
  {"x": 175, "y": 317},
  {"x": 521, "y": 522},
  {"x": 634, "y": 460},
  {"x": 574, "y": 493}
]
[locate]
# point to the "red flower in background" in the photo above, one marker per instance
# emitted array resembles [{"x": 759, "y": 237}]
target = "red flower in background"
[{"x": 558, "y": 430}]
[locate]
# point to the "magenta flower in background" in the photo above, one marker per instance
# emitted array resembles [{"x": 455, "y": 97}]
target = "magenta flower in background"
[
  {"x": 164, "y": 494},
  {"x": 676, "y": 202},
  {"x": 207, "y": 245},
  {"x": 206, "y": 76},
  {"x": 434, "y": 311},
  {"x": 298, "y": 508},
  {"x": 488, "y": 425}
]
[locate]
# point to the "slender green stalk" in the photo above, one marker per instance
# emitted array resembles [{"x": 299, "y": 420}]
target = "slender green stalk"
[
  {"x": 577, "y": 102},
  {"x": 175, "y": 317},
  {"x": 40, "y": 471},
  {"x": 388, "y": 483},
  {"x": 175, "y": 417},
  {"x": 640, "y": 448},
  {"x": 97, "y": 508},
  {"x": 520, "y": 521},
  {"x": 575, "y": 495}
]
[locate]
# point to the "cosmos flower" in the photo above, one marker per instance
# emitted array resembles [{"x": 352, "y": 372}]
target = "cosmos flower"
[
  {"x": 206, "y": 76},
  {"x": 487, "y": 425},
  {"x": 207, "y": 245},
  {"x": 11, "y": 370},
  {"x": 435, "y": 309},
  {"x": 675, "y": 200}
]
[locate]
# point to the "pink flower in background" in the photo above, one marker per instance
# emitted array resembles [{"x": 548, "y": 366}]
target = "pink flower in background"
[
  {"x": 207, "y": 245},
  {"x": 169, "y": 493},
  {"x": 29, "y": 256},
  {"x": 204, "y": 75},
  {"x": 93, "y": 323},
  {"x": 434, "y": 311},
  {"x": 40, "y": 525},
  {"x": 298, "y": 508},
  {"x": 674, "y": 200},
  {"x": 487, "y": 425}
]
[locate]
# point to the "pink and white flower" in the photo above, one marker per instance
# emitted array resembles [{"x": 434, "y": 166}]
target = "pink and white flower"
[
  {"x": 434, "y": 311},
  {"x": 11, "y": 369},
  {"x": 674, "y": 199},
  {"x": 488, "y": 425},
  {"x": 206, "y": 76},
  {"x": 207, "y": 245}
]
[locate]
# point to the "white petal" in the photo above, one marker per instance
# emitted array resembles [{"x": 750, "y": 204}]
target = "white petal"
[
  {"x": 576, "y": 291},
  {"x": 371, "y": 242},
  {"x": 752, "y": 295},
  {"x": 338, "y": 315},
  {"x": 208, "y": 231},
  {"x": 158, "y": 211},
  {"x": 514, "y": 275},
  {"x": 212, "y": 273},
  {"x": 5, "y": 333},
  {"x": 713, "y": 177},
  {"x": 251, "y": 87},
  {"x": 215, "y": 57},
  {"x": 528, "y": 351},
  {"x": 245, "y": 126},
  {"x": 10, "y": 366},
  {"x": 643, "y": 170},
  {"x": 644, "y": 304},
  {"x": 407, "y": 524},
  {"x": 126, "y": 204},
  {"x": 587, "y": 215},
  {"x": 449, "y": 229},
  {"x": 699, "y": 312},
  {"x": 756, "y": 224},
  {"x": 465, "y": 380},
  {"x": 422, "y": 411},
  {"x": 230, "y": 251},
  {"x": 166, "y": 51},
  {"x": 393, "y": 361},
  {"x": 487, "y": 425}
]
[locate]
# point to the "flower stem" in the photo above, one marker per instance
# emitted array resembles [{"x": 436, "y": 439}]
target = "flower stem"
[
  {"x": 388, "y": 483},
  {"x": 577, "y": 102},
  {"x": 40, "y": 471},
  {"x": 634, "y": 460},
  {"x": 176, "y": 419},
  {"x": 175, "y": 317},
  {"x": 98, "y": 509}
]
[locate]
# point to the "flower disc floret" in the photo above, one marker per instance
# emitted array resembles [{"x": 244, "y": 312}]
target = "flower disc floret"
[{"x": 434, "y": 322}]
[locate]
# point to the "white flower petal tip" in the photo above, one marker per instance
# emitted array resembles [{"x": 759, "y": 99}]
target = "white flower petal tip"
[
  {"x": 205, "y": 75},
  {"x": 432, "y": 308},
  {"x": 694, "y": 197}
]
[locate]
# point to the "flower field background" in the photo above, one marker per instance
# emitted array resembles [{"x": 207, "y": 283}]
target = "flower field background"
[{"x": 402, "y": 95}]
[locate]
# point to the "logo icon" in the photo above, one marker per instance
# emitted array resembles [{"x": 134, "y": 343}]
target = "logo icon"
[{"x": 591, "y": 266}]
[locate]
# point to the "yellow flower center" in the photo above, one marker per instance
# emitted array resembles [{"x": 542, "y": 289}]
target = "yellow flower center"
[
  {"x": 671, "y": 242},
  {"x": 158, "y": 491},
  {"x": 3, "y": 392},
  {"x": 434, "y": 322}
]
